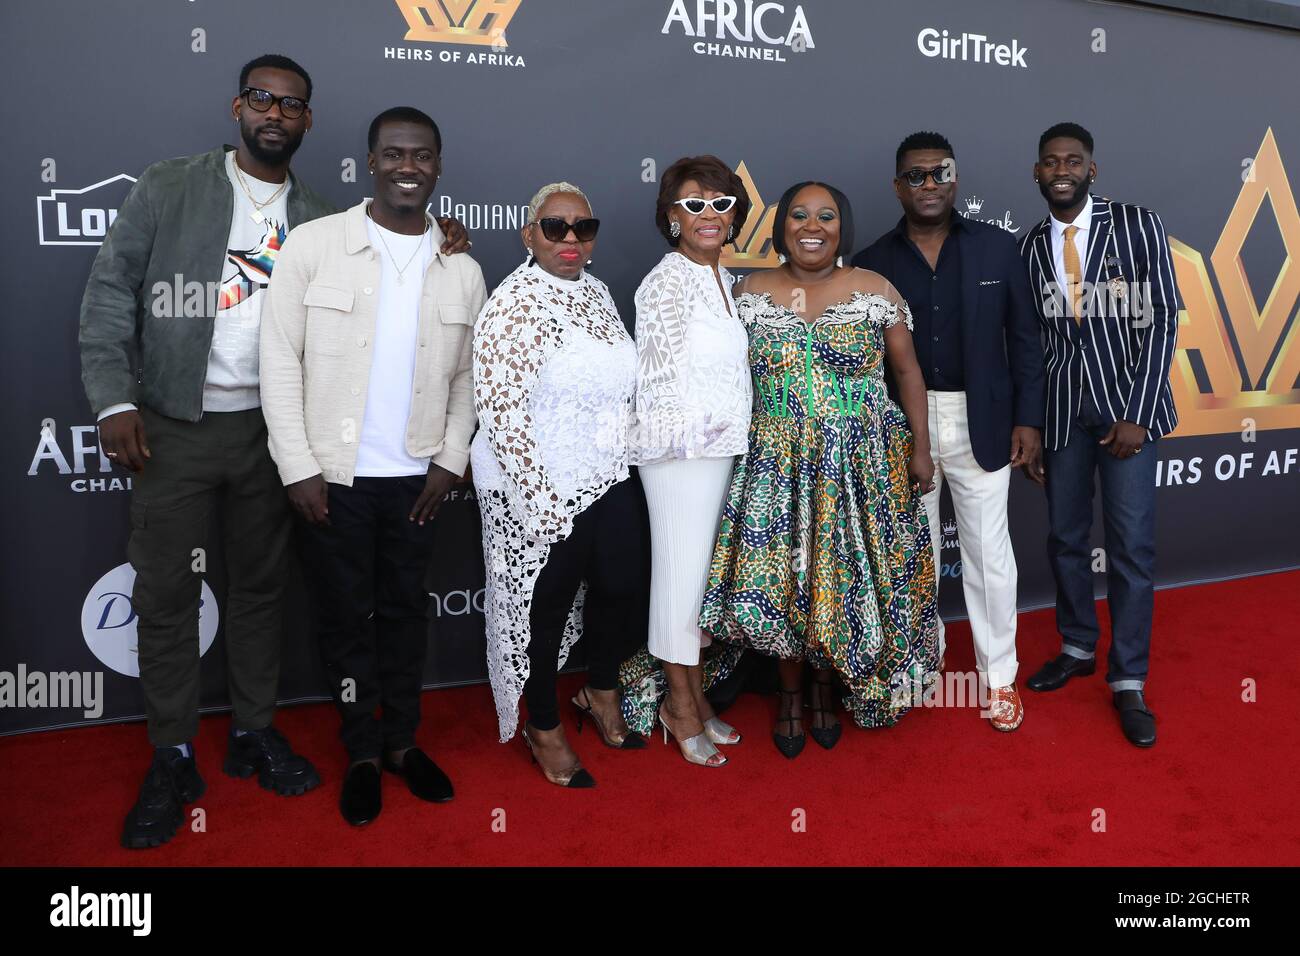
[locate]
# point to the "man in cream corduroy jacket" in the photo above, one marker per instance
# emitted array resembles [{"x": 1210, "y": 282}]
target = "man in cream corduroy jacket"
[
  {"x": 367, "y": 389},
  {"x": 318, "y": 330}
]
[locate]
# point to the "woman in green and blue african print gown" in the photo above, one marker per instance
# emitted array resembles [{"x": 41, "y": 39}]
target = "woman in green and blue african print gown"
[{"x": 823, "y": 552}]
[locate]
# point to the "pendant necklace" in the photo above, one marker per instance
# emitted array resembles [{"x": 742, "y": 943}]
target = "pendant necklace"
[
  {"x": 401, "y": 270},
  {"x": 256, "y": 215}
]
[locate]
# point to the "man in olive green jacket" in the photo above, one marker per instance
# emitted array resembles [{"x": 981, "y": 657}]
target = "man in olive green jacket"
[
  {"x": 169, "y": 353},
  {"x": 165, "y": 321}
]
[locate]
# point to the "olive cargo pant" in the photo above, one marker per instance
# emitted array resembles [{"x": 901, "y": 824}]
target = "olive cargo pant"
[{"x": 197, "y": 469}]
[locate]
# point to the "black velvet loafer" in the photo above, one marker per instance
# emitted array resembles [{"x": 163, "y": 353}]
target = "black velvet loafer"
[
  {"x": 424, "y": 778},
  {"x": 362, "y": 798}
]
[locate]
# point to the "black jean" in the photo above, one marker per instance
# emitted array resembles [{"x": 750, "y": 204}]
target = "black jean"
[
  {"x": 607, "y": 549},
  {"x": 371, "y": 560}
]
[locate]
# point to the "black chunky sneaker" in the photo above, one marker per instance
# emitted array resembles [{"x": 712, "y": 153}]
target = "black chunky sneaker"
[
  {"x": 268, "y": 754},
  {"x": 172, "y": 781}
]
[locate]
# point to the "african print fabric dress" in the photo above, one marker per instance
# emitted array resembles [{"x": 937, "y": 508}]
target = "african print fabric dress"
[{"x": 823, "y": 549}]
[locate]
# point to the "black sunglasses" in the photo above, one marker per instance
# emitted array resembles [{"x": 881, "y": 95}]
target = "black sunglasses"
[
  {"x": 555, "y": 229},
  {"x": 291, "y": 107},
  {"x": 915, "y": 177}
]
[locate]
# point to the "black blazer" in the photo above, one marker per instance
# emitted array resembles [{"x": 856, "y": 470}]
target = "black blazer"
[
  {"x": 1002, "y": 356},
  {"x": 1125, "y": 351}
]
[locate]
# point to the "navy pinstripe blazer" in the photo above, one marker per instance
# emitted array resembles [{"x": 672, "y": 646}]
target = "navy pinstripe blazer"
[{"x": 1125, "y": 345}]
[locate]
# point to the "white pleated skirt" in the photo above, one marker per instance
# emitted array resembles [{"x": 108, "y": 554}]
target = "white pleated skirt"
[{"x": 685, "y": 498}]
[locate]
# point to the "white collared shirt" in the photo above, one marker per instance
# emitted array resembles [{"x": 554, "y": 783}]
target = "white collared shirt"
[{"x": 1084, "y": 222}]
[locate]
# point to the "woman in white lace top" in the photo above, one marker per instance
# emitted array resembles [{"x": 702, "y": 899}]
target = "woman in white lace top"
[
  {"x": 554, "y": 377},
  {"x": 692, "y": 419}
]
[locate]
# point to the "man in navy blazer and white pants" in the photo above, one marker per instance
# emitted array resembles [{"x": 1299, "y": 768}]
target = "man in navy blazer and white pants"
[
  {"x": 976, "y": 338},
  {"x": 1108, "y": 305}
]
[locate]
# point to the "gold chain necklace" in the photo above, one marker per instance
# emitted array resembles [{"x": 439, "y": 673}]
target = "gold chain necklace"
[{"x": 256, "y": 215}]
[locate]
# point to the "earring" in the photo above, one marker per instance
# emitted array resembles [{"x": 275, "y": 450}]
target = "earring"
[
  {"x": 839, "y": 262},
  {"x": 528, "y": 255},
  {"x": 675, "y": 229},
  {"x": 588, "y": 263},
  {"x": 731, "y": 232},
  {"x": 780, "y": 257}
]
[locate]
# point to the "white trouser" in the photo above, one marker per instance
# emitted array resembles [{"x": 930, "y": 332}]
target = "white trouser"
[
  {"x": 685, "y": 498},
  {"x": 988, "y": 565}
]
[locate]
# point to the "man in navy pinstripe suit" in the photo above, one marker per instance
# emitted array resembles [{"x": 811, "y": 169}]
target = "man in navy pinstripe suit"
[{"x": 1103, "y": 284}]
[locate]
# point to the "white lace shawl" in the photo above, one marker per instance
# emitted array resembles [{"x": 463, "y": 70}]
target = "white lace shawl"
[{"x": 554, "y": 377}]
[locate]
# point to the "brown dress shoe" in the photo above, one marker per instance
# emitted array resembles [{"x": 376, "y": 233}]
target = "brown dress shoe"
[{"x": 1005, "y": 708}]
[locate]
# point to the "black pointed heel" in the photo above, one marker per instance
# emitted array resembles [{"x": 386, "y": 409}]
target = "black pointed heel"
[
  {"x": 633, "y": 740},
  {"x": 575, "y": 777},
  {"x": 790, "y": 746},
  {"x": 826, "y": 737}
]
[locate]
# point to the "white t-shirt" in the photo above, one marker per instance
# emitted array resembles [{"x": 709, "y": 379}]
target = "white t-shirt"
[
  {"x": 254, "y": 242},
  {"x": 381, "y": 451}
]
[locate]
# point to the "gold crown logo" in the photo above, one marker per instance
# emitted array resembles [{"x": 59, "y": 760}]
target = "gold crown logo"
[
  {"x": 481, "y": 22},
  {"x": 753, "y": 248},
  {"x": 1247, "y": 364}
]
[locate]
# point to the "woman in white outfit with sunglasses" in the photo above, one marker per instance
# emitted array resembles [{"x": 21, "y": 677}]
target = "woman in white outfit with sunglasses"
[{"x": 693, "y": 403}]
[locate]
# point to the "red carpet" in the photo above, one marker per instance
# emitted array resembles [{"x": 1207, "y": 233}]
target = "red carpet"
[{"x": 1219, "y": 787}]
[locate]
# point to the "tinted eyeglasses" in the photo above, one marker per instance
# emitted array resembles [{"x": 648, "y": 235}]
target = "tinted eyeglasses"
[
  {"x": 915, "y": 177},
  {"x": 694, "y": 205},
  {"x": 555, "y": 229},
  {"x": 262, "y": 100}
]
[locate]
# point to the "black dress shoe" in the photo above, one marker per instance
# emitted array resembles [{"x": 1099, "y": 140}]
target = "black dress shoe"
[
  {"x": 1139, "y": 724},
  {"x": 361, "y": 800},
  {"x": 268, "y": 754},
  {"x": 172, "y": 782},
  {"x": 424, "y": 778},
  {"x": 1060, "y": 669}
]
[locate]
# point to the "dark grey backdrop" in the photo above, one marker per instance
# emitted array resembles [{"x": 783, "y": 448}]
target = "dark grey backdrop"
[{"x": 104, "y": 88}]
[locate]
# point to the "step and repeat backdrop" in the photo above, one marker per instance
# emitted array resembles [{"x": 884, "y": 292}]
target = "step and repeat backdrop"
[{"x": 1194, "y": 117}]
